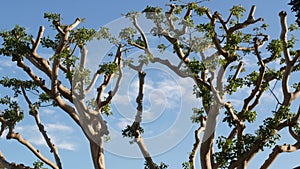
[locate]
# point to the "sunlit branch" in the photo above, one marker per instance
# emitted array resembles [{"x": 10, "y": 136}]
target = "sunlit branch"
[
  {"x": 17, "y": 136},
  {"x": 137, "y": 26},
  {"x": 38, "y": 39},
  {"x": 192, "y": 157},
  {"x": 277, "y": 150},
  {"x": 250, "y": 20},
  {"x": 34, "y": 112},
  {"x": 283, "y": 36}
]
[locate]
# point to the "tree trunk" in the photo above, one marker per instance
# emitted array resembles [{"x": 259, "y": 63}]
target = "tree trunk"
[
  {"x": 208, "y": 138},
  {"x": 97, "y": 154}
]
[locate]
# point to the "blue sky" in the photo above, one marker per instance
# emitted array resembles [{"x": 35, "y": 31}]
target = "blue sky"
[{"x": 74, "y": 148}]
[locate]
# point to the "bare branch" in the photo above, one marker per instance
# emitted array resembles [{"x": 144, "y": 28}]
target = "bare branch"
[
  {"x": 12, "y": 135},
  {"x": 250, "y": 20},
  {"x": 38, "y": 39},
  {"x": 137, "y": 26},
  {"x": 259, "y": 81},
  {"x": 192, "y": 157},
  {"x": 238, "y": 70},
  {"x": 277, "y": 150},
  {"x": 283, "y": 36},
  {"x": 34, "y": 112}
]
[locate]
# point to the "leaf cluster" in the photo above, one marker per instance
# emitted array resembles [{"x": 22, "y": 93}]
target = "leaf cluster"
[{"x": 15, "y": 41}]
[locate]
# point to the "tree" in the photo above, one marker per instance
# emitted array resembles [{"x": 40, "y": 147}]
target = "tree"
[{"x": 188, "y": 30}]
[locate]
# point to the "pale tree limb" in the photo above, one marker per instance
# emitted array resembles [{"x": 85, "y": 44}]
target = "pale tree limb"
[
  {"x": 138, "y": 119},
  {"x": 192, "y": 157},
  {"x": 38, "y": 39},
  {"x": 277, "y": 150},
  {"x": 17, "y": 136},
  {"x": 34, "y": 112}
]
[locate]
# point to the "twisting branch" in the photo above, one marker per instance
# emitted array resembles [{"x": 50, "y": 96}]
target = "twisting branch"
[
  {"x": 138, "y": 119},
  {"x": 137, "y": 26},
  {"x": 250, "y": 20},
  {"x": 258, "y": 84},
  {"x": 34, "y": 112},
  {"x": 277, "y": 150},
  {"x": 61, "y": 103},
  {"x": 192, "y": 157},
  {"x": 107, "y": 78}
]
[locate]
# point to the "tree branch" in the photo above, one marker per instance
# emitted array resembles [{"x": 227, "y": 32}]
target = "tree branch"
[
  {"x": 5, "y": 164},
  {"x": 38, "y": 39},
  {"x": 250, "y": 20},
  {"x": 138, "y": 119},
  {"x": 192, "y": 157},
  {"x": 12, "y": 135},
  {"x": 277, "y": 150},
  {"x": 34, "y": 112}
]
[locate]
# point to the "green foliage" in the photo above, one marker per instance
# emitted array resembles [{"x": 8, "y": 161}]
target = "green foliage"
[
  {"x": 161, "y": 166},
  {"x": 83, "y": 35},
  {"x": 237, "y": 11},
  {"x": 52, "y": 17},
  {"x": 106, "y": 109},
  {"x": 128, "y": 131},
  {"x": 38, "y": 165},
  {"x": 150, "y": 9},
  {"x": 127, "y": 33},
  {"x": 295, "y": 7},
  {"x": 201, "y": 10},
  {"x": 275, "y": 47},
  {"x": 233, "y": 84},
  {"x": 15, "y": 42},
  {"x": 11, "y": 114},
  {"x": 104, "y": 33},
  {"x": 140, "y": 41},
  {"x": 250, "y": 116},
  {"x": 204, "y": 93},
  {"x": 207, "y": 28},
  {"x": 47, "y": 42},
  {"x": 231, "y": 149},
  {"x": 16, "y": 85},
  {"x": 81, "y": 74},
  {"x": 161, "y": 47},
  {"x": 108, "y": 68},
  {"x": 195, "y": 66},
  {"x": 198, "y": 114},
  {"x": 232, "y": 42},
  {"x": 186, "y": 165}
]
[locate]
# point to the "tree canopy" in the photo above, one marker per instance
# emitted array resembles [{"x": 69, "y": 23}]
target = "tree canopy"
[{"x": 224, "y": 57}]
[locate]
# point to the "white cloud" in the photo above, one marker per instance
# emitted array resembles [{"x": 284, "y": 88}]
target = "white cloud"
[{"x": 61, "y": 135}]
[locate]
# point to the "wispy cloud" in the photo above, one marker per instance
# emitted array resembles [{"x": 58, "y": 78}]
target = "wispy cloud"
[{"x": 61, "y": 135}]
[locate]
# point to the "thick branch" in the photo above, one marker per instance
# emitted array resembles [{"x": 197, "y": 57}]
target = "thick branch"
[
  {"x": 192, "y": 157},
  {"x": 250, "y": 20},
  {"x": 277, "y": 150},
  {"x": 12, "y": 135}
]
